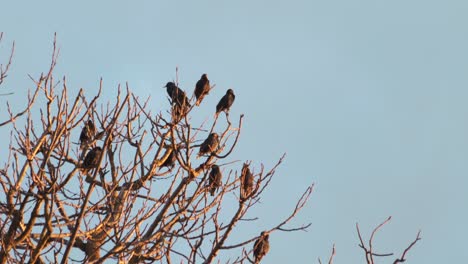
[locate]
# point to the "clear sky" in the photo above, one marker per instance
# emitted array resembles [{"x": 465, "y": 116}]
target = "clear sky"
[{"x": 368, "y": 99}]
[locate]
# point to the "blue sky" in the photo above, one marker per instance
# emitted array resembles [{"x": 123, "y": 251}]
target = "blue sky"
[{"x": 367, "y": 98}]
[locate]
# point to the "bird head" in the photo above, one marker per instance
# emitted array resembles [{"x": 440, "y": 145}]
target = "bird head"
[
  {"x": 204, "y": 76},
  {"x": 265, "y": 234},
  {"x": 230, "y": 91},
  {"x": 169, "y": 85}
]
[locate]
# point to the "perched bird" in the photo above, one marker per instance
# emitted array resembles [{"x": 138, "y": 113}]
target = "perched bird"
[
  {"x": 215, "y": 179},
  {"x": 209, "y": 145},
  {"x": 171, "y": 159},
  {"x": 177, "y": 95},
  {"x": 202, "y": 88},
  {"x": 92, "y": 158},
  {"x": 226, "y": 102},
  {"x": 246, "y": 179},
  {"x": 178, "y": 112},
  {"x": 87, "y": 134},
  {"x": 261, "y": 247}
]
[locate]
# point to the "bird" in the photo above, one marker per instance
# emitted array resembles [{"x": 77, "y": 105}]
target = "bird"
[
  {"x": 261, "y": 246},
  {"x": 177, "y": 95},
  {"x": 92, "y": 158},
  {"x": 226, "y": 102},
  {"x": 170, "y": 161},
  {"x": 178, "y": 112},
  {"x": 215, "y": 179},
  {"x": 246, "y": 182},
  {"x": 202, "y": 88},
  {"x": 209, "y": 145},
  {"x": 87, "y": 134}
]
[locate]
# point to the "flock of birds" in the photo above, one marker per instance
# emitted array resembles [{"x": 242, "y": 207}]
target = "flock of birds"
[{"x": 180, "y": 106}]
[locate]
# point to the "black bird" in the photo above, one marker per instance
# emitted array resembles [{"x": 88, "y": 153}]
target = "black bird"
[
  {"x": 202, "y": 88},
  {"x": 215, "y": 179},
  {"x": 226, "y": 102},
  {"x": 209, "y": 145},
  {"x": 178, "y": 112},
  {"x": 246, "y": 182},
  {"x": 171, "y": 159},
  {"x": 177, "y": 96},
  {"x": 92, "y": 158},
  {"x": 87, "y": 134},
  {"x": 261, "y": 246}
]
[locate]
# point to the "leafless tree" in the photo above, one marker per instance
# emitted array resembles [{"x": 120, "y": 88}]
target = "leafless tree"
[
  {"x": 4, "y": 68},
  {"x": 370, "y": 252},
  {"x": 88, "y": 180}
]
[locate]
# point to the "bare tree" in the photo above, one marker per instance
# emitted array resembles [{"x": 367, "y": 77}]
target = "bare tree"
[
  {"x": 370, "y": 252},
  {"x": 91, "y": 180},
  {"x": 4, "y": 68}
]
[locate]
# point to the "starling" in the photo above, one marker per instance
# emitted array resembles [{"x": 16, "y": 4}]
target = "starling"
[
  {"x": 261, "y": 247},
  {"x": 209, "y": 145},
  {"x": 87, "y": 134},
  {"x": 215, "y": 179},
  {"x": 246, "y": 182},
  {"x": 178, "y": 112},
  {"x": 92, "y": 158},
  {"x": 226, "y": 102},
  {"x": 177, "y": 96},
  {"x": 171, "y": 159},
  {"x": 202, "y": 88}
]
